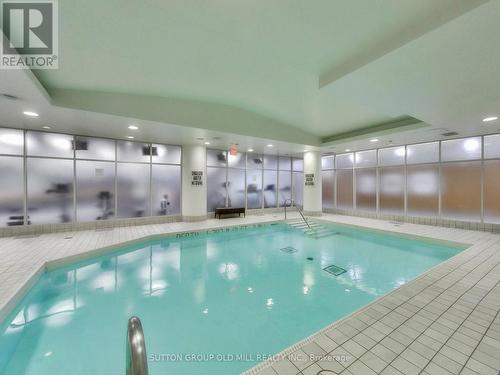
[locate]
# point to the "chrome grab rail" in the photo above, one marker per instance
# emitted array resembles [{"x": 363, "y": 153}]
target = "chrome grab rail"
[
  {"x": 291, "y": 201},
  {"x": 136, "y": 361}
]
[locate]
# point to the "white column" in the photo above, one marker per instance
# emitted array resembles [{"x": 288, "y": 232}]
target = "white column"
[
  {"x": 312, "y": 183},
  {"x": 194, "y": 195}
]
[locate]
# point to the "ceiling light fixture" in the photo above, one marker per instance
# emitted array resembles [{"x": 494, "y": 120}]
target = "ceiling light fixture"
[
  {"x": 130, "y": 137},
  {"x": 270, "y": 145},
  {"x": 373, "y": 140},
  {"x": 491, "y": 118},
  {"x": 250, "y": 150},
  {"x": 46, "y": 127},
  {"x": 207, "y": 143},
  {"x": 30, "y": 114},
  {"x": 133, "y": 127},
  {"x": 347, "y": 149}
]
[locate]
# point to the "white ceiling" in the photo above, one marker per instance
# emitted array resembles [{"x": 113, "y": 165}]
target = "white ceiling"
[{"x": 250, "y": 73}]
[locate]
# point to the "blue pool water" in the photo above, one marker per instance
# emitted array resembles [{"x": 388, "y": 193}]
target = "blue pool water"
[{"x": 233, "y": 293}]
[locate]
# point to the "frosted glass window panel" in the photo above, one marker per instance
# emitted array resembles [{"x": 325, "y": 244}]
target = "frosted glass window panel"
[
  {"x": 95, "y": 190},
  {"x": 285, "y": 163},
  {"x": 216, "y": 158},
  {"x": 392, "y": 190},
  {"x": 236, "y": 188},
  {"x": 49, "y": 144},
  {"x": 270, "y": 162},
  {"x": 11, "y": 142},
  {"x": 50, "y": 191},
  {"x": 11, "y": 191},
  {"x": 254, "y": 188},
  {"x": 298, "y": 187},
  {"x": 216, "y": 188},
  {"x": 344, "y": 188},
  {"x": 366, "y": 189},
  {"x": 366, "y": 159},
  {"x": 492, "y": 146},
  {"x": 422, "y": 191},
  {"x": 344, "y": 161},
  {"x": 236, "y": 161},
  {"x": 422, "y": 153},
  {"x": 94, "y": 148},
  {"x": 327, "y": 186},
  {"x": 166, "y": 190},
  {"x": 392, "y": 156},
  {"x": 461, "y": 149},
  {"x": 284, "y": 186},
  {"x": 327, "y": 162},
  {"x": 298, "y": 165},
  {"x": 255, "y": 161},
  {"x": 133, "y": 151},
  {"x": 461, "y": 191},
  {"x": 270, "y": 188},
  {"x": 133, "y": 190},
  {"x": 167, "y": 154},
  {"x": 492, "y": 191}
]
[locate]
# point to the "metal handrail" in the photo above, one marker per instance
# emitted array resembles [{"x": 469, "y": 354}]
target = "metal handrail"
[
  {"x": 136, "y": 361},
  {"x": 298, "y": 209}
]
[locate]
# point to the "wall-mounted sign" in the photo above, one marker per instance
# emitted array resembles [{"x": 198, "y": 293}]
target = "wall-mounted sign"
[
  {"x": 196, "y": 178},
  {"x": 309, "y": 179}
]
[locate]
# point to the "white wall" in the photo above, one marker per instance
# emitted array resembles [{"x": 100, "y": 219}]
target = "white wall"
[
  {"x": 194, "y": 198},
  {"x": 312, "y": 194}
]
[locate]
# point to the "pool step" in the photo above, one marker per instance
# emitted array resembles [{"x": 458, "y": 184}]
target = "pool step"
[
  {"x": 314, "y": 229},
  {"x": 304, "y": 225},
  {"x": 321, "y": 233}
]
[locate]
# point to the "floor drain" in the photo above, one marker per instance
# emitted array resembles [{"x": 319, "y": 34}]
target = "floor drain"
[
  {"x": 334, "y": 270},
  {"x": 289, "y": 249},
  {"x": 310, "y": 258},
  {"x": 68, "y": 238}
]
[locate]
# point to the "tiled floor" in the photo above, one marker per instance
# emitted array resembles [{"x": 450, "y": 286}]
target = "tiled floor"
[{"x": 444, "y": 322}]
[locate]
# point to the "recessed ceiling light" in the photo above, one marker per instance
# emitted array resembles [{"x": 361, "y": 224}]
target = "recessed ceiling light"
[
  {"x": 30, "y": 114},
  {"x": 207, "y": 143},
  {"x": 130, "y": 137},
  {"x": 374, "y": 140},
  {"x": 347, "y": 149},
  {"x": 491, "y": 118},
  {"x": 46, "y": 127},
  {"x": 270, "y": 145},
  {"x": 133, "y": 127},
  {"x": 250, "y": 150}
]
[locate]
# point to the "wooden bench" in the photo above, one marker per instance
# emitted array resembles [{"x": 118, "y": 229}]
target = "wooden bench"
[{"x": 230, "y": 211}]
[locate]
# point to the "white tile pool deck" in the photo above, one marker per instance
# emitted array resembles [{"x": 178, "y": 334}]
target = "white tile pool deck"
[{"x": 444, "y": 322}]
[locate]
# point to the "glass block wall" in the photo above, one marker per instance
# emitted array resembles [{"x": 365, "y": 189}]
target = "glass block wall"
[
  {"x": 456, "y": 179},
  {"x": 252, "y": 180},
  {"x": 52, "y": 178}
]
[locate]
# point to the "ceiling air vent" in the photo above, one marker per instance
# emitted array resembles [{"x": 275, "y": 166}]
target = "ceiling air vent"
[{"x": 449, "y": 134}]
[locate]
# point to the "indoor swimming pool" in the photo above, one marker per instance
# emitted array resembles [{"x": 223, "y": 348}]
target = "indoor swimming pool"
[{"x": 211, "y": 302}]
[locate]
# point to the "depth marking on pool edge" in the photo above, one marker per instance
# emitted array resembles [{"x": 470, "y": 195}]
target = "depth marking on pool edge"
[{"x": 334, "y": 270}]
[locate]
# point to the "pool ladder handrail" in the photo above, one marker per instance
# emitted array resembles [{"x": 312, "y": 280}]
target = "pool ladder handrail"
[
  {"x": 136, "y": 360},
  {"x": 292, "y": 203}
]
